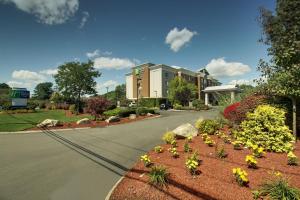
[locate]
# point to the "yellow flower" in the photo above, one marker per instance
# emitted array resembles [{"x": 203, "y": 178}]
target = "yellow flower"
[{"x": 277, "y": 174}]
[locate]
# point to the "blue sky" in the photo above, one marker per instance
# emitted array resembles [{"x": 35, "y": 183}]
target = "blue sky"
[{"x": 36, "y": 36}]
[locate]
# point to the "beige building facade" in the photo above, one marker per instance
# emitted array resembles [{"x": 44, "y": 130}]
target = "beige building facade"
[{"x": 152, "y": 80}]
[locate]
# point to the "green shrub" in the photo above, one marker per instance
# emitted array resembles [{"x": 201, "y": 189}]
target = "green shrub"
[
  {"x": 266, "y": 128},
  {"x": 150, "y": 102},
  {"x": 277, "y": 189},
  {"x": 31, "y": 104},
  {"x": 72, "y": 108},
  {"x": 6, "y": 105},
  {"x": 126, "y": 112},
  {"x": 158, "y": 175},
  {"x": 18, "y": 111},
  {"x": 168, "y": 137},
  {"x": 144, "y": 111},
  {"x": 198, "y": 104},
  {"x": 207, "y": 126},
  {"x": 42, "y": 104},
  {"x": 177, "y": 107},
  {"x": 113, "y": 112}
]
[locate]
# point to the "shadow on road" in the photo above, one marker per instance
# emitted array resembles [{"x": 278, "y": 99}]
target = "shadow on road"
[{"x": 86, "y": 152}]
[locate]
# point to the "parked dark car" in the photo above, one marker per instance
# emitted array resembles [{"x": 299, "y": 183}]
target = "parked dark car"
[{"x": 165, "y": 106}]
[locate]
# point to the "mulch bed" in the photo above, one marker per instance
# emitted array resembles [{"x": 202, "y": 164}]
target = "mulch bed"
[
  {"x": 96, "y": 124},
  {"x": 215, "y": 180}
]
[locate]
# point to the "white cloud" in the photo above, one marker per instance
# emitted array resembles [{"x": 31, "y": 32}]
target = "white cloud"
[
  {"x": 241, "y": 82},
  {"x": 97, "y": 53},
  {"x": 93, "y": 54},
  {"x": 47, "y": 11},
  {"x": 49, "y": 72},
  {"x": 111, "y": 84},
  {"x": 220, "y": 68},
  {"x": 85, "y": 17},
  {"x": 113, "y": 63},
  {"x": 178, "y": 38},
  {"x": 22, "y": 84},
  {"x": 27, "y": 75}
]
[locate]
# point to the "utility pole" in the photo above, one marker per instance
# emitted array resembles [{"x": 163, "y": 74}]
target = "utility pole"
[{"x": 106, "y": 91}]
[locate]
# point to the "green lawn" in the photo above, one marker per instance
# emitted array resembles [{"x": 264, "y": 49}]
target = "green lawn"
[{"x": 19, "y": 122}]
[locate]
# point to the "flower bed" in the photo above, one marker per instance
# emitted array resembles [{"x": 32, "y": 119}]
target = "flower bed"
[
  {"x": 96, "y": 124},
  {"x": 215, "y": 179}
]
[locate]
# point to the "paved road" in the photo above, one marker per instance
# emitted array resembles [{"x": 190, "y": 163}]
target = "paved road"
[{"x": 81, "y": 164}]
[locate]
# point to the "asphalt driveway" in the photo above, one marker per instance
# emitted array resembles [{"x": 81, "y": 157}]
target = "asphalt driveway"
[{"x": 80, "y": 164}]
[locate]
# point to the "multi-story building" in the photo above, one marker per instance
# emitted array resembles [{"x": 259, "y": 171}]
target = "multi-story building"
[{"x": 151, "y": 81}]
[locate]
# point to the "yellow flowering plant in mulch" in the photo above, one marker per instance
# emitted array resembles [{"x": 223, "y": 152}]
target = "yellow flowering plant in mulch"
[
  {"x": 258, "y": 152},
  {"x": 192, "y": 162},
  {"x": 146, "y": 160},
  {"x": 209, "y": 142},
  {"x": 158, "y": 149},
  {"x": 174, "y": 152},
  {"x": 292, "y": 158},
  {"x": 251, "y": 162},
  {"x": 240, "y": 176}
]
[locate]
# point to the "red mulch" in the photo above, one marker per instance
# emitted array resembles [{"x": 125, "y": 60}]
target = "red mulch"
[
  {"x": 95, "y": 124},
  {"x": 215, "y": 180}
]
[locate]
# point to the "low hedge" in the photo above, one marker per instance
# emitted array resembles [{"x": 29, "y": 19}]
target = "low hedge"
[
  {"x": 125, "y": 112},
  {"x": 112, "y": 112}
]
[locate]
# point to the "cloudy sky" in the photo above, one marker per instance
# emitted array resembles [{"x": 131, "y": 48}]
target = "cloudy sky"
[{"x": 36, "y": 36}]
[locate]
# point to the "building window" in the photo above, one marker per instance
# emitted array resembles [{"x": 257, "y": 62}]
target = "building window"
[{"x": 166, "y": 75}]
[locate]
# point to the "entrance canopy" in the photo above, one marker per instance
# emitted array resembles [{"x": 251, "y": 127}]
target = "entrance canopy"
[{"x": 221, "y": 88}]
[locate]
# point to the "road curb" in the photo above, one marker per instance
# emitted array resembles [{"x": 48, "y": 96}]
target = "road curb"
[
  {"x": 67, "y": 129},
  {"x": 113, "y": 188},
  {"x": 38, "y": 131}
]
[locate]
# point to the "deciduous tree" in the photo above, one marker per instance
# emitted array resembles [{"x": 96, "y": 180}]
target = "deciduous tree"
[
  {"x": 43, "y": 91},
  {"x": 75, "y": 79},
  {"x": 180, "y": 91},
  {"x": 281, "y": 32}
]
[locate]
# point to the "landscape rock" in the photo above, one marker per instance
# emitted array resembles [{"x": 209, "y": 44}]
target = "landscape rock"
[
  {"x": 132, "y": 116},
  {"x": 113, "y": 119},
  {"x": 149, "y": 114},
  {"x": 84, "y": 121},
  {"x": 49, "y": 123},
  {"x": 185, "y": 130}
]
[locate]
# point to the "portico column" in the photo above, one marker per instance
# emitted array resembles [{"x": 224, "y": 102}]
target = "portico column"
[
  {"x": 232, "y": 96},
  {"x": 206, "y": 98}
]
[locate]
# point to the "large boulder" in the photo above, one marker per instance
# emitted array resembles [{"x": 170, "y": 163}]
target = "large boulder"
[
  {"x": 132, "y": 116},
  {"x": 113, "y": 119},
  {"x": 84, "y": 121},
  {"x": 49, "y": 123},
  {"x": 185, "y": 130}
]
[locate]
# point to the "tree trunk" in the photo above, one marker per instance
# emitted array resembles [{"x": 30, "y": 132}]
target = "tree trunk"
[
  {"x": 78, "y": 104},
  {"x": 294, "y": 101}
]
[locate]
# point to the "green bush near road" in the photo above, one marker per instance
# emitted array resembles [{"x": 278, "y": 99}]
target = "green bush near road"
[{"x": 125, "y": 112}]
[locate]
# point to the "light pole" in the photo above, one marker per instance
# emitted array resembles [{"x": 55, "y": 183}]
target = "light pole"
[
  {"x": 156, "y": 102},
  {"x": 106, "y": 91},
  {"x": 137, "y": 73}
]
